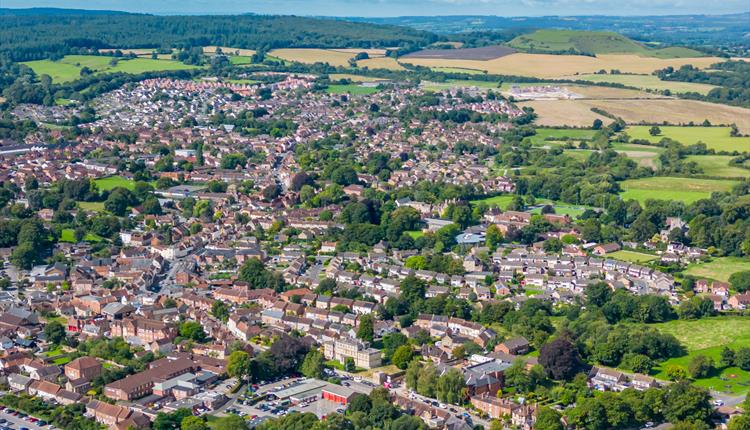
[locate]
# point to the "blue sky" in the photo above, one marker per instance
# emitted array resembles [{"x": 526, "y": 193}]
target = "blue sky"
[{"x": 403, "y": 7}]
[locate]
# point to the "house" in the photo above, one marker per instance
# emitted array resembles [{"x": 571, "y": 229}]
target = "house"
[
  {"x": 141, "y": 384},
  {"x": 516, "y": 346},
  {"x": 740, "y": 301},
  {"x": 607, "y": 379},
  {"x": 606, "y": 248}
]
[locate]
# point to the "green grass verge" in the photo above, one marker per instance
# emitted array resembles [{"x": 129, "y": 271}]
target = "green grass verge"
[
  {"x": 720, "y": 268},
  {"x": 686, "y": 190},
  {"x": 717, "y": 138}
]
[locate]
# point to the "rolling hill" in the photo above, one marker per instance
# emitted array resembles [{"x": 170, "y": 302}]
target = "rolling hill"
[{"x": 592, "y": 42}]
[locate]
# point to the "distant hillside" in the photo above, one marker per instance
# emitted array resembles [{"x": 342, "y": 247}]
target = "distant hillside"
[
  {"x": 58, "y": 32},
  {"x": 592, "y": 42},
  {"x": 57, "y": 11}
]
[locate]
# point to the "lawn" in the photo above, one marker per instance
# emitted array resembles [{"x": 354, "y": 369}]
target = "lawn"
[
  {"x": 646, "y": 82},
  {"x": 502, "y": 201},
  {"x": 240, "y": 60},
  {"x": 112, "y": 182},
  {"x": 717, "y": 138},
  {"x": 720, "y": 268},
  {"x": 91, "y": 206},
  {"x": 632, "y": 256},
  {"x": 686, "y": 190},
  {"x": 707, "y": 336},
  {"x": 563, "y": 209},
  {"x": 68, "y": 235},
  {"x": 69, "y": 67},
  {"x": 718, "y": 165},
  {"x": 350, "y": 89},
  {"x": 415, "y": 234}
]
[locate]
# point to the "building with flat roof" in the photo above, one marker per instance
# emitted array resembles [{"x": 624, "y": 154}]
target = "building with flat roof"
[{"x": 363, "y": 356}]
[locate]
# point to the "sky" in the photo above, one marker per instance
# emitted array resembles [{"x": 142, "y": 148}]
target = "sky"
[{"x": 387, "y": 8}]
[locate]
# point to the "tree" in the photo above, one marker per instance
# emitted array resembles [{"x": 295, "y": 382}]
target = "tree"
[
  {"x": 230, "y": 422},
  {"x": 739, "y": 422},
  {"x": 193, "y": 423},
  {"x": 494, "y": 237},
  {"x": 686, "y": 402},
  {"x": 359, "y": 403},
  {"x": 220, "y": 310},
  {"x": 654, "y": 131},
  {"x": 313, "y": 365},
  {"x": 638, "y": 363},
  {"x": 55, "y": 332},
  {"x": 450, "y": 386},
  {"x": 597, "y": 125},
  {"x": 598, "y": 294},
  {"x": 349, "y": 364},
  {"x": 24, "y": 256},
  {"x": 366, "y": 329},
  {"x": 700, "y": 366},
  {"x": 171, "y": 421},
  {"x": 548, "y": 419},
  {"x": 192, "y": 330},
  {"x": 742, "y": 358},
  {"x": 676, "y": 373},
  {"x": 560, "y": 359},
  {"x": 238, "y": 365},
  {"x": 727, "y": 357},
  {"x": 402, "y": 356},
  {"x": 740, "y": 281}
]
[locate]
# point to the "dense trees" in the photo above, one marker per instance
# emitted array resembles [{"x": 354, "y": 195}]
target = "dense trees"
[{"x": 560, "y": 359}]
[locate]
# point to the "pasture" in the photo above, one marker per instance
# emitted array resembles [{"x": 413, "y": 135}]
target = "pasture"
[
  {"x": 632, "y": 256},
  {"x": 717, "y": 138},
  {"x": 719, "y": 268},
  {"x": 350, "y": 89},
  {"x": 557, "y": 66},
  {"x": 718, "y": 165},
  {"x": 69, "y": 67},
  {"x": 646, "y": 82},
  {"x": 545, "y": 135},
  {"x": 644, "y": 155},
  {"x": 707, "y": 336},
  {"x": 686, "y": 190}
]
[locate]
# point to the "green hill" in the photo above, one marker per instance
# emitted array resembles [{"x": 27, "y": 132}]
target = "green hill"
[{"x": 592, "y": 42}]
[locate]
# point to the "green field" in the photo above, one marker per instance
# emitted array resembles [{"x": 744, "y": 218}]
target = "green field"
[
  {"x": 595, "y": 42},
  {"x": 563, "y": 209},
  {"x": 351, "y": 89},
  {"x": 718, "y": 165},
  {"x": 685, "y": 190},
  {"x": 68, "y": 235},
  {"x": 720, "y": 268},
  {"x": 91, "y": 206},
  {"x": 544, "y": 135},
  {"x": 632, "y": 256},
  {"x": 717, "y": 138},
  {"x": 239, "y": 60},
  {"x": 707, "y": 336},
  {"x": 112, "y": 182},
  {"x": 646, "y": 82},
  {"x": 69, "y": 67},
  {"x": 644, "y": 155},
  {"x": 415, "y": 234},
  {"x": 502, "y": 201}
]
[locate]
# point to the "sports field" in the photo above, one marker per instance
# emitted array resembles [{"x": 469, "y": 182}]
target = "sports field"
[
  {"x": 557, "y": 66},
  {"x": 632, "y": 256},
  {"x": 685, "y": 190},
  {"x": 69, "y": 67},
  {"x": 350, "y": 89},
  {"x": 719, "y": 268},
  {"x": 718, "y": 138},
  {"x": 707, "y": 336},
  {"x": 718, "y": 165},
  {"x": 646, "y": 82},
  {"x": 112, "y": 182}
]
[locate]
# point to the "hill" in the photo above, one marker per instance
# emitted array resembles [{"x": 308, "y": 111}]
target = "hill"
[
  {"x": 592, "y": 42},
  {"x": 44, "y": 35}
]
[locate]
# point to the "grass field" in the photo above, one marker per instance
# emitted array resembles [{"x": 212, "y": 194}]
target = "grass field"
[
  {"x": 644, "y": 155},
  {"x": 720, "y": 268},
  {"x": 239, "y": 60},
  {"x": 707, "y": 336},
  {"x": 597, "y": 42},
  {"x": 502, "y": 201},
  {"x": 112, "y": 182},
  {"x": 634, "y": 111},
  {"x": 91, "y": 206},
  {"x": 69, "y": 67},
  {"x": 68, "y": 235},
  {"x": 670, "y": 188},
  {"x": 415, "y": 234},
  {"x": 718, "y": 165},
  {"x": 718, "y": 138},
  {"x": 646, "y": 82},
  {"x": 632, "y": 256},
  {"x": 353, "y": 78},
  {"x": 350, "y": 89},
  {"x": 563, "y": 209},
  {"x": 544, "y": 135},
  {"x": 557, "y": 66}
]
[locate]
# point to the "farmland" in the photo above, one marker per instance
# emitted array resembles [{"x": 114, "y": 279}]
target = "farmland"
[
  {"x": 720, "y": 268},
  {"x": 707, "y": 336},
  {"x": 380, "y": 63},
  {"x": 544, "y": 135},
  {"x": 69, "y": 67},
  {"x": 458, "y": 83},
  {"x": 596, "y": 42},
  {"x": 718, "y": 138},
  {"x": 646, "y": 82},
  {"x": 634, "y": 111},
  {"x": 670, "y": 188},
  {"x": 556, "y": 66},
  {"x": 310, "y": 56},
  {"x": 644, "y": 155}
]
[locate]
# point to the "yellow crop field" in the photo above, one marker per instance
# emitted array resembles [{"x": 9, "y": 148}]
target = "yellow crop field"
[
  {"x": 311, "y": 56},
  {"x": 370, "y": 52},
  {"x": 551, "y": 66},
  {"x": 380, "y": 63},
  {"x": 593, "y": 92},
  {"x": 634, "y": 111},
  {"x": 646, "y": 82}
]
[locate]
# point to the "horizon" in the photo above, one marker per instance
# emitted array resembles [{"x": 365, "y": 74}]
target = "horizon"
[{"x": 396, "y": 8}]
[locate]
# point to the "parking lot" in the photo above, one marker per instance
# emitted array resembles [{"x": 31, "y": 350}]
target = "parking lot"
[{"x": 18, "y": 422}]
